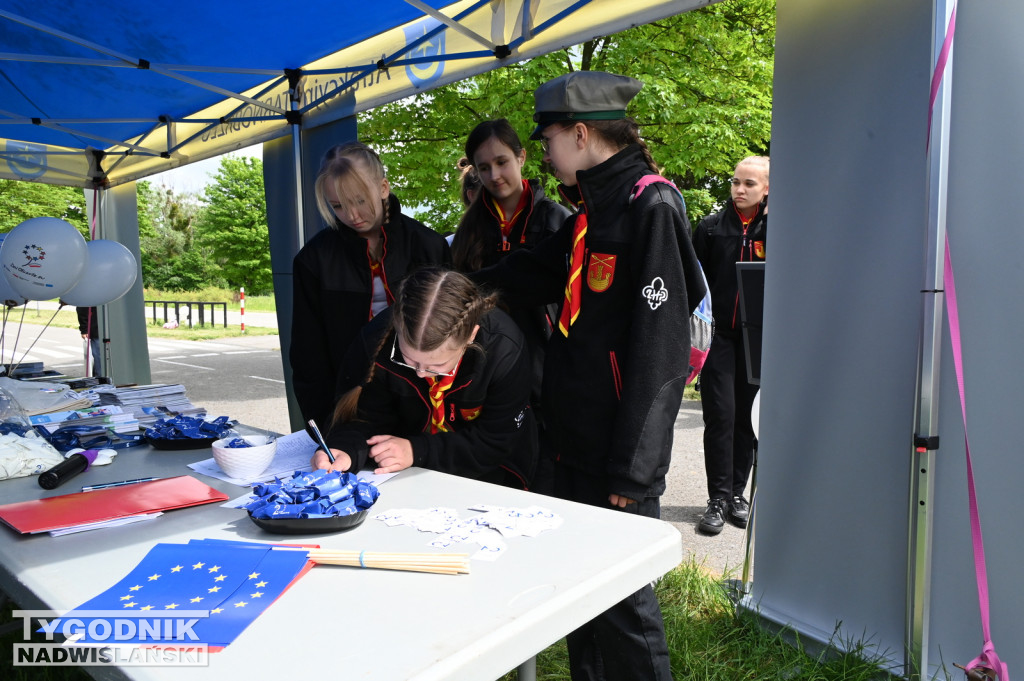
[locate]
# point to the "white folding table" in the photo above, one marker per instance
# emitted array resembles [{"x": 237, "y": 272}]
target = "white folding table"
[{"x": 354, "y": 623}]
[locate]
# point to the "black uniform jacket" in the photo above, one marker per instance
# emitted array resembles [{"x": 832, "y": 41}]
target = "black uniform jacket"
[
  {"x": 720, "y": 243},
  {"x": 332, "y": 296},
  {"x": 542, "y": 218},
  {"x": 491, "y": 434},
  {"x": 612, "y": 389}
]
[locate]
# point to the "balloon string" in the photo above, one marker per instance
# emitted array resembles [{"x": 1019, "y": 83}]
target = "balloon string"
[{"x": 45, "y": 327}]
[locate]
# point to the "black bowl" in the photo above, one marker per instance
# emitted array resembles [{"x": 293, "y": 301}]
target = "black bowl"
[
  {"x": 310, "y": 525},
  {"x": 180, "y": 443}
]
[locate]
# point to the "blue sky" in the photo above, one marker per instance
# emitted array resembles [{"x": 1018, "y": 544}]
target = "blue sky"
[{"x": 194, "y": 176}]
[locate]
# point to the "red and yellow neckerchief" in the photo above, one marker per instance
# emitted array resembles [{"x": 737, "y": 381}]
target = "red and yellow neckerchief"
[
  {"x": 505, "y": 223},
  {"x": 439, "y": 385},
  {"x": 574, "y": 285}
]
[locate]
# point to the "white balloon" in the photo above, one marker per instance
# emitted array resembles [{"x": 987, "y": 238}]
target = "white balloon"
[
  {"x": 8, "y": 296},
  {"x": 42, "y": 258},
  {"x": 755, "y": 412},
  {"x": 109, "y": 274}
]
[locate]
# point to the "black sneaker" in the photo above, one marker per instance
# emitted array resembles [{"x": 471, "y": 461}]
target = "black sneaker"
[
  {"x": 713, "y": 519},
  {"x": 739, "y": 511}
]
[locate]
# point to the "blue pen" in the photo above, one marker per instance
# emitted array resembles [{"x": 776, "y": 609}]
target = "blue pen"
[{"x": 90, "y": 488}]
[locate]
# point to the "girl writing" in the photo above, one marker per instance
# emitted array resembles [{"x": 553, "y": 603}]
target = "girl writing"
[{"x": 447, "y": 390}]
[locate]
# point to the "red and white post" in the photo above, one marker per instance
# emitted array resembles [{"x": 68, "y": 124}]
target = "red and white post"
[{"x": 241, "y": 301}]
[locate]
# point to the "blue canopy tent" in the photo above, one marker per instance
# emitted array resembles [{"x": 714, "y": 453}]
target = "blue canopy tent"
[
  {"x": 98, "y": 96},
  {"x": 861, "y": 534}
]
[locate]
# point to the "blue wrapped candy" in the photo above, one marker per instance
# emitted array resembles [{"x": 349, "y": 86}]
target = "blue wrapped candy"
[
  {"x": 312, "y": 494},
  {"x": 188, "y": 427}
]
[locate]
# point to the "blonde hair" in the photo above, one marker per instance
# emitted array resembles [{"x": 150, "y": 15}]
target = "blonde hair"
[
  {"x": 761, "y": 162},
  {"x": 346, "y": 166}
]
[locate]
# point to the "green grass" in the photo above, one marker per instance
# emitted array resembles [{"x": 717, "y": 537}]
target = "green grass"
[
  {"x": 215, "y": 295},
  {"x": 708, "y": 641},
  {"x": 68, "y": 319}
]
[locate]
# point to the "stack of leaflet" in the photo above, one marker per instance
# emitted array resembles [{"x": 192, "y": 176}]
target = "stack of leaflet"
[
  {"x": 151, "y": 402},
  {"x": 101, "y": 417}
]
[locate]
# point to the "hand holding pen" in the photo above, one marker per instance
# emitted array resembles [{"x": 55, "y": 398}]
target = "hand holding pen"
[{"x": 341, "y": 463}]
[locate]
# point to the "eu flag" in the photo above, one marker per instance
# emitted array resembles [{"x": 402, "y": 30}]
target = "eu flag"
[{"x": 228, "y": 583}]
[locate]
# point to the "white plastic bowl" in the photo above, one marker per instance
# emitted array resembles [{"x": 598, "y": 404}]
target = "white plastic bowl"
[{"x": 244, "y": 463}]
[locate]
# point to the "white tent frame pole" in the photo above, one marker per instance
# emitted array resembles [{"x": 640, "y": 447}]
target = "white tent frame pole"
[
  {"x": 121, "y": 64},
  {"x": 300, "y": 222},
  {"x": 923, "y": 455},
  {"x": 452, "y": 24}
]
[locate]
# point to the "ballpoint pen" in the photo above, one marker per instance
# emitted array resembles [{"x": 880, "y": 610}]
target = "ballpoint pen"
[
  {"x": 120, "y": 483},
  {"x": 320, "y": 440}
]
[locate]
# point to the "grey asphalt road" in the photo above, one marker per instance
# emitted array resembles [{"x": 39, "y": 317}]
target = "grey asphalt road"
[{"x": 244, "y": 379}]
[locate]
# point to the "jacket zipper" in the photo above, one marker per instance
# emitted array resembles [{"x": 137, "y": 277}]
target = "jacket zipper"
[
  {"x": 616, "y": 376},
  {"x": 743, "y": 251}
]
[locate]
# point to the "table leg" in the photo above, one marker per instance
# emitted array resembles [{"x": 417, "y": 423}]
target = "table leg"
[{"x": 527, "y": 671}]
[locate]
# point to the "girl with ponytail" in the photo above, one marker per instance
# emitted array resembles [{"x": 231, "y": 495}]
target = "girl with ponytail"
[{"x": 448, "y": 388}]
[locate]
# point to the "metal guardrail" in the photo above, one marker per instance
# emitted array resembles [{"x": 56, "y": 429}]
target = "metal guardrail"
[{"x": 189, "y": 304}]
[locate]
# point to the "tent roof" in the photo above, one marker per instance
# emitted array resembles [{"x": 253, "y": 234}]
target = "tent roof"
[{"x": 101, "y": 94}]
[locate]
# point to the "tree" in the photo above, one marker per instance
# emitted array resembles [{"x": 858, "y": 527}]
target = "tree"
[
  {"x": 20, "y": 200},
  {"x": 233, "y": 226},
  {"x": 171, "y": 259},
  {"x": 706, "y": 103}
]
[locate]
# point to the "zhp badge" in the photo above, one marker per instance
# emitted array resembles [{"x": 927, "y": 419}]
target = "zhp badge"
[{"x": 655, "y": 293}]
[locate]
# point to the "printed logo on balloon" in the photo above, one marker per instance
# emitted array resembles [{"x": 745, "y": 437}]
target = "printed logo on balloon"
[{"x": 42, "y": 258}]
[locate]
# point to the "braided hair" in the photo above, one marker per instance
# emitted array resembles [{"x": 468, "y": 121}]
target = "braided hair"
[
  {"x": 436, "y": 306},
  {"x": 433, "y": 307}
]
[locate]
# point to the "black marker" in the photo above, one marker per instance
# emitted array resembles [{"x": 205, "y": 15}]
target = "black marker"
[{"x": 67, "y": 469}]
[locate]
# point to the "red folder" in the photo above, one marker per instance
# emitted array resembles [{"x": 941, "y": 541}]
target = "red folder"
[{"x": 67, "y": 510}]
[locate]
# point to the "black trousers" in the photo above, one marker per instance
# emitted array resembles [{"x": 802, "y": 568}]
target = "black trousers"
[
  {"x": 726, "y": 398},
  {"x": 627, "y": 641}
]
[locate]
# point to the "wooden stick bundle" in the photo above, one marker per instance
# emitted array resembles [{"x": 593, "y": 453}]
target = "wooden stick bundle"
[{"x": 440, "y": 563}]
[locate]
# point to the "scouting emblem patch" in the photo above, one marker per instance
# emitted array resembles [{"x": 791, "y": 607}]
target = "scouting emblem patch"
[
  {"x": 655, "y": 293},
  {"x": 600, "y": 272}
]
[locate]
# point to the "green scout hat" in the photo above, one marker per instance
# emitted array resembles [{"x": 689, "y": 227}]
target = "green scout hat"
[{"x": 583, "y": 96}]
